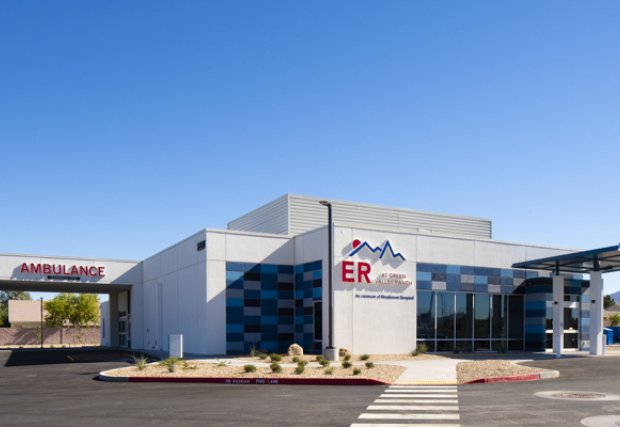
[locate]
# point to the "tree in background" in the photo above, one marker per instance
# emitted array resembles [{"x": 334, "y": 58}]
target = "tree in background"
[
  {"x": 78, "y": 310},
  {"x": 5, "y": 296},
  {"x": 608, "y": 301}
]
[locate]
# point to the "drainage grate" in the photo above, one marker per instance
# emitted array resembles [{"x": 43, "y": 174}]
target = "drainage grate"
[{"x": 577, "y": 395}]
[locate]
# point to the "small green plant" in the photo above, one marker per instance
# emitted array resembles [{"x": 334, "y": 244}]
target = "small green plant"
[
  {"x": 275, "y": 368},
  {"x": 249, "y": 368},
  {"x": 188, "y": 366},
  {"x": 347, "y": 357},
  {"x": 329, "y": 371},
  {"x": 222, "y": 364},
  {"x": 369, "y": 365},
  {"x": 140, "y": 362},
  {"x": 421, "y": 349},
  {"x": 300, "y": 368},
  {"x": 614, "y": 319},
  {"x": 346, "y": 364},
  {"x": 262, "y": 356},
  {"x": 364, "y": 357},
  {"x": 324, "y": 362},
  {"x": 319, "y": 357},
  {"x": 357, "y": 371},
  {"x": 253, "y": 350},
  {"x": 170, "y": 363},
  {"x": 296, "y": 359},
  {"x": 275, "y": 357}
]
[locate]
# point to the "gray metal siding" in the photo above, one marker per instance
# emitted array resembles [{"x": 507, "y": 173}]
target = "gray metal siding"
[
  {"x": 294, "y": 215},
  {"x": 270, "y": 218},
  {"x": 307, "y": 214}
]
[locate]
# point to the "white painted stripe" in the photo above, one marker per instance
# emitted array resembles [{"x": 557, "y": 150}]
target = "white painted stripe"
[
  {"x": 427, "y": 387},
  {"x": 412, "y": 408},
  {"x": 403, "y": 425},
  {"x": 391, "y": 390},
  {"x": 446, "y": 401},
  {"x": 376, "y": 416},
  {"x": 451, "y": 396}
]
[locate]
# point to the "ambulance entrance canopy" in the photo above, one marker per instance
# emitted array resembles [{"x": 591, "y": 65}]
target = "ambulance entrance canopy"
[{"x": 593, "y": 262}]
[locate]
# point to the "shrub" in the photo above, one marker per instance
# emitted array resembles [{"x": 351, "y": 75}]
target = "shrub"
[
  {"x": 319, "y": 358},
  {"x": 329, "y": 371},
  {"x": 346, "y": 364},
  {"x": 300, "y": 368},
  {"x": 249, "y": 368},
  {"x": 222, "y": 364},
  {"x": 296, "y": 359},
  {"x": 364, "y": 357},
  {"x": 324, "y": 362},
  {"x": 262, "y": 356},
  {"x": 170, "y": 363},
  {"x": 140, "y": 362},
  {"x": 357, "y": 371},
  {"x": 422, "y": 348},
  {"x": 275, "y": 367},
  {"x": 253, "y": 350},
  {"x": 347, "y": 357},
  {"x": 186, "y": 365},
  {"x": 275, "y": 357},
  {"x": 370, "y": 365},
  {"x": 614, "y": 319}
]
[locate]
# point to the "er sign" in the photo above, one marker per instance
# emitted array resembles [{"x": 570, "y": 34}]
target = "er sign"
[{"x": 382, "y": 268}]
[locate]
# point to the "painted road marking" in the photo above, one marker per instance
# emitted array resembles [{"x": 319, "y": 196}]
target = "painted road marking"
[{"x": 413, "y": 406}]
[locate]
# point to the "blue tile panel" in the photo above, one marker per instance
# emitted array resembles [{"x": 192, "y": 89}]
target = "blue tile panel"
[
  {"x": 470, "y": 279},
  {"x": 537, "y": 296},
  {"x": 261, "y": 307},
  {"x": 308, "y": 290}
]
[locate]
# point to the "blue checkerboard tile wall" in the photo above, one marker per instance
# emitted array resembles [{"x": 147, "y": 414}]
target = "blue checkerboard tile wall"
[
  {"x": 260, "y": 307},
  {"x": 270, "y": 306},
  {"x": 444, "y": 277},
  {"x": 308, "y": 290}
]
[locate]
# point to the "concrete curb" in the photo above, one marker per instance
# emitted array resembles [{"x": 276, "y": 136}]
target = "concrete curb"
[
  {"x": 236, "y": 380},
  {"x": 544, "y": 375}
]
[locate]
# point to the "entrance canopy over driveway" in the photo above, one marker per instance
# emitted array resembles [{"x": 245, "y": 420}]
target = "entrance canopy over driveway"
[
  {"x": 603, "y": 259},
  {"x": 593, "y": 262}
]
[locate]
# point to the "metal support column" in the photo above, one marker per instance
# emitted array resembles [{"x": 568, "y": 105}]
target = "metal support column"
[
  {"x": 596, "y": 313},
  {"x": 558, "y": 313}
]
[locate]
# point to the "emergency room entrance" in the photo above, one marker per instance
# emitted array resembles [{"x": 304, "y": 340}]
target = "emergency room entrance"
[{"x": 115, "y": 321}]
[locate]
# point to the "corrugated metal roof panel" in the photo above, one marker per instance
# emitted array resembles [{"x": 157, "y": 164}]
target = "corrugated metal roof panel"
[{"x": 305, "y": 213}]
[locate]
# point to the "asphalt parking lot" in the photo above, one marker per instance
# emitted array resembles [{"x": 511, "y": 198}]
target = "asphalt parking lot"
[
  {"x": 515, "y": 404},
  {"x": 64, "y": 393},
  {"x": 58, "y": 387}
]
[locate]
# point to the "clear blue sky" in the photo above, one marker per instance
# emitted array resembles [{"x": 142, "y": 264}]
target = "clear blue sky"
[{"x": 126, "y": 126}]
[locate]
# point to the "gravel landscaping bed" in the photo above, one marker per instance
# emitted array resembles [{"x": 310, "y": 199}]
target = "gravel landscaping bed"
[
  {"x": 470, "y": 371},
  {"x": 212, "y": 369}
]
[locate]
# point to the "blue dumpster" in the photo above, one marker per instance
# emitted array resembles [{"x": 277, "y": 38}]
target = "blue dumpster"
[
  {"x": 609, "y": 335},
  {"x": 616, "y": 330}
]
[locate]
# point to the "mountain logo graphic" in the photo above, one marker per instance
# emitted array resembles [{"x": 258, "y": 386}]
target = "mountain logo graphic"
[{"x": 358, "y": 245}]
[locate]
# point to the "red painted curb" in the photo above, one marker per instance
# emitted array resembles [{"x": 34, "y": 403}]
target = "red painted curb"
[
  {"x": 508, "y": 379},
  {"x": 268, "y": 381}
]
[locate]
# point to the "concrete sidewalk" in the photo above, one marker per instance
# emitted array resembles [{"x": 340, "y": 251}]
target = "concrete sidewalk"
[{"x": 428, "y": 371}]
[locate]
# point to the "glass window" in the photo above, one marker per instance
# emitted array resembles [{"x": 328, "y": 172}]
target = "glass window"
[
  {"x": 464, "y": 315},
  {"x": 445, "y": 315},
  {"x": 515, "y": 320},
  {"x": 499, "y": 317},
  {"x": 426, "y": 315},
  {"x": 482, "y": 321},
  {"x": 318, "y": 320}
]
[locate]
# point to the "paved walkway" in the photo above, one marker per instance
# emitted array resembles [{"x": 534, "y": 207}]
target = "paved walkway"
[{"x": 428, "y": 371}]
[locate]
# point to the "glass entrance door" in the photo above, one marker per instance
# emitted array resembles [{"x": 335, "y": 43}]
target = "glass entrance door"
[{"x": 571, "y": 323}]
